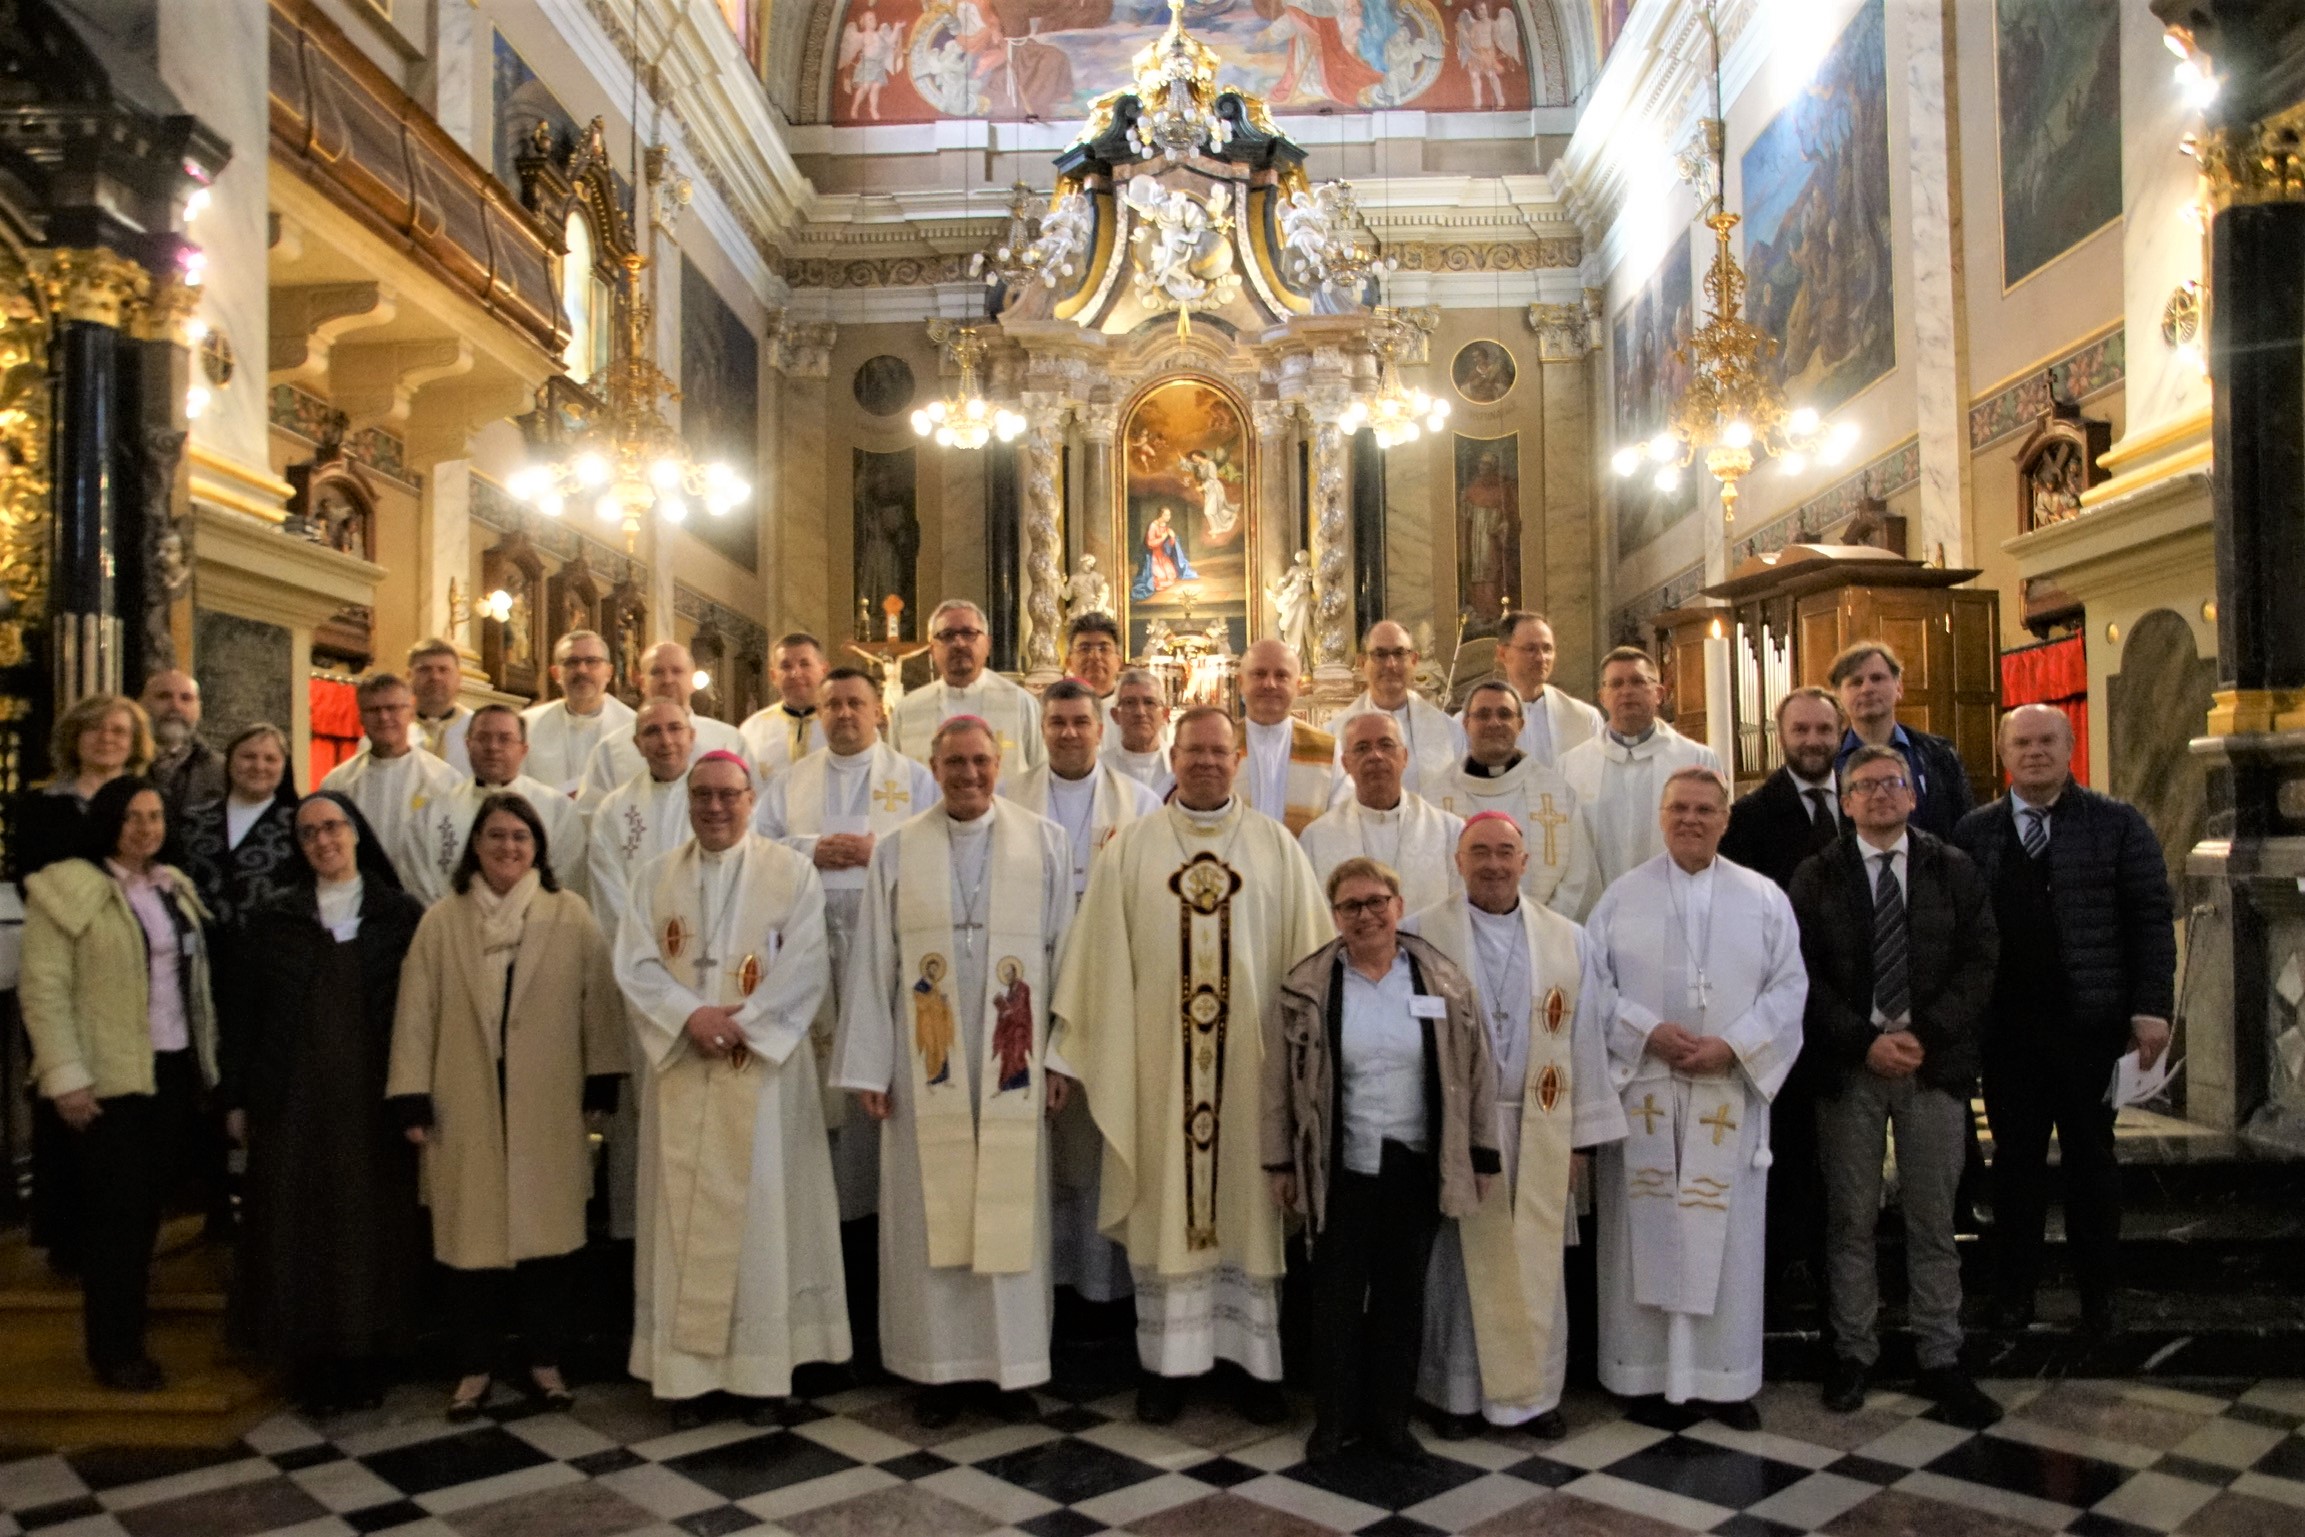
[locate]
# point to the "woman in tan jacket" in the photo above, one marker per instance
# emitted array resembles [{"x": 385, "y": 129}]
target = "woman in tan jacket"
[
  {"x": 510, "y": 1031},
  {"x": 115, "y": 995}
]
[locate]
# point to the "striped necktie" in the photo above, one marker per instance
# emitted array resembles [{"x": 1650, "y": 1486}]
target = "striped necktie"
[
  {"x": 1892, "y": 982},
  {"x": 2036, "y": 833}
]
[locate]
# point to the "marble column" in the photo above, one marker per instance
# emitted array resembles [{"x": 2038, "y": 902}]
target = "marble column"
[
  {"x": 1940, "y": 289},
  {"x": 1331, "y": 515},
  {"x": 1558, "y": 571},
  {"x": 1043, "y": 507},
  {"x": 1099, "y": 425},
  {"x": 805, "y": 489}
]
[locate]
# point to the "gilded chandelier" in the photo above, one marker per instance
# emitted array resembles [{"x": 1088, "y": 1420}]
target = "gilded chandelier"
[
  {"x": 965, "y": 419},
  {"x": 1395, "y": 414}
]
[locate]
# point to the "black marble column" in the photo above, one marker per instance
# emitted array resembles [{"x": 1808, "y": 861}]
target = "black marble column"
[
  {"x": 85, "y": 356},
  {"x": 1004, "y": 552},
  {"x": 1368, "y": 481}
]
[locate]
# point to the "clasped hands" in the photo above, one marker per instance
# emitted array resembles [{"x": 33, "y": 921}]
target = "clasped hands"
[
  {"x": 844, "y": 851},
  {"x": 1700, "y": 1056},
  {"x": 1895, "y": 1054},
  {"x": 880, "y": 1104}
]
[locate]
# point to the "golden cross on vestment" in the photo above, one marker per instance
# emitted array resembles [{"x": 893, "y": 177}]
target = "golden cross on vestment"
[
  {"x": 1549, "y": 818},
  {"x": 1648, "y": 1110},
  {"x": 1007, "y": 746},
  {"x": 1719, "y": 1121},
  {"x": 892, "y": 795}
]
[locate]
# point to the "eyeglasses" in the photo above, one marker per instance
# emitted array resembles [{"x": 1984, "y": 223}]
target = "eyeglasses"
[
  {"x": 1392, "y": 654},
  {"x": 951, "y": 637},
  {"x": 584, "y": 661},
  {"x": 1094, "y": 648},
  {"x": 313, "y": 832},
  {"x": 1887, "y": 786},
  {"x": 1362, "y": 907}
]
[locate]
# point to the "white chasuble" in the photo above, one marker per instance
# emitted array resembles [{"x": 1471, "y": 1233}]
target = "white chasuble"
[
  {"x": 1416, "y": 840},
  {"x": 1090, "y": 812},
  {"x": 1620, "y": 786},
  {"x": 1495, "y": 1318},
  {"x": 1681, "y": 1208},
  {"x": 444, "y": 825},
  {"x": 560, "y": 743},
  {"x": 775, "y": 739},
  {"x": 1013, "y": 714},
  {"x": 946, "y": 1023},
  {"x": 738, "y": 1276},
  {"x": 643, "y": 821},
  {"x": 1193, "y": 918},
  {"x": 1561, "y": 873}
]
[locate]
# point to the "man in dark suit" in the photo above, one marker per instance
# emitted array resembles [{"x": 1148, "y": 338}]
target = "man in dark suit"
[
  {"x": 1794, "y": 813},
  {"x": 1870, "y": 680},
  {"x": 1897, "y": 932},
  {"x": 2088, "y": 971}
]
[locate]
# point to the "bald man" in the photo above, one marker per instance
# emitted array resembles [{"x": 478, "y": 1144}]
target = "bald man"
[
  {"x": 1288, "y": 770},
  {"x": 1388, "y": 668},
  {"x": 667, "y": 671},
  {"x": 188, "y": 771}
]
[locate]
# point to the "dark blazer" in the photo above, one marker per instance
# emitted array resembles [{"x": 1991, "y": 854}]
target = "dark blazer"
[
  {"x": 1949, "y": 908},
  {"x": 1771, "y": 830},
  {"x": 1944, "y": 796},
  {"x": 2109, "y": 888}
]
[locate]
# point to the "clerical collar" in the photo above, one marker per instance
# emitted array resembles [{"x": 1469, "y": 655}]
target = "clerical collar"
[
  {"x": 969, "y": 687},
  {"x": 852, "y": 759},
  {"x": 977, "y": 823},
  {"x": 717, "y": 856},
  {"x": 1210, "y": 817},
  {"x": 1692, "y": 875},
  {"x": 1083, "y": 777},
  {"x": 798, "y": 712},
  {"x": 1383, "y": 813},
  {"x": 1631, "y": 741},
  {"x": 568, "y": 709},
  {"x": 1483, "y": 915},
  {"x": 1260, "y": 726},
  {"x": 1480, "y": 770}
]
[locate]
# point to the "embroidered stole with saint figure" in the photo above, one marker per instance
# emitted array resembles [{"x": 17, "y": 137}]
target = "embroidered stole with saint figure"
[
  {"x": 1205, "y": 888},
  {"x": 1680, "y": 1174},
  {"x": 706, "y": 1109},
  {"x": 1512, "y": 1241},
  {"x": 980, "y": 1157}
]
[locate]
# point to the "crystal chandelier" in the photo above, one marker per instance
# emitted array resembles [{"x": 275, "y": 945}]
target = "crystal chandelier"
[
  {"x": 1395, "y": 413},
  {"x": 626, "y": 461},
  {"x": 965, "y": 419},
  {"x": 1733, "y": 413}
]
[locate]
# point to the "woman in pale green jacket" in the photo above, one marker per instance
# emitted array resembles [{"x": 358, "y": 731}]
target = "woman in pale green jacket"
[{"x": 115, "y": 995}]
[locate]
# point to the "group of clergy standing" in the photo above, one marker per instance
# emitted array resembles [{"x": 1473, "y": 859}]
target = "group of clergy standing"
[{"x": 932, "y": 1014}]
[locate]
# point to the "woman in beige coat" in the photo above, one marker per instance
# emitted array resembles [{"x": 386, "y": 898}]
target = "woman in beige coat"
[{"x": 510, "y": 1031}]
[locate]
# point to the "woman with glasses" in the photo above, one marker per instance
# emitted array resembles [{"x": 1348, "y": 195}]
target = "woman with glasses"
[
  {"x": 115, "y": 994},
  {"x": 332, "y": 1234},
  {"x": 1379, "y": 1120},
  {"x": 508, "y": 1033}
]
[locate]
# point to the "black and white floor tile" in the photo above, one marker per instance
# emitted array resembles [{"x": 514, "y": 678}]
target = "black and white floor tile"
[{"x": 2103, "y": 1459}]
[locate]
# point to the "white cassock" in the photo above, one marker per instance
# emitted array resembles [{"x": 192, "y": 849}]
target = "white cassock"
[
  {"x": 736, "y": 1272},
  {"x": 1511, "y": 985},
  {"x": 618, "y": 758},
  {"x": 1561, "y": 874},
  {"x": 1621, "y": 784},
  {"x": 1417, "y": 840},
  {"x": 1554, "y": 722},
  {"x": 561, "y": 743},
  {"x": 1434, "y": 740},
  {"x": 394, "y": 794},
  {"x": 1013, "y": 714},
  {"x": 643, "y": 820},
  {"x": 444, "y": 738},
  {"x": 1289, "y": 772},
  {"x": 776, "y": 738},
  {"x": 1682, "y": 1202},
  {"x": 1150, "y": 769},
  {"x": 953, "y": 1322},
  {"x": 874, "y": 791},
  {"x": 443, "y": 827},
  {"x": 1090, "y": 810},
  {"x": 1193, "y": 918}
]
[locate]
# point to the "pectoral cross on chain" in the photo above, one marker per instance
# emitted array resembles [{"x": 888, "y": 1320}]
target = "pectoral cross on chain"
[
  {"x": 1648, "y": 1110},
  {"x": 1549, "y": 817},
  {"x": 891, "y": 795},
  {"x": 967, "y": 931},
  {"x": 1719, "y": 1121}
]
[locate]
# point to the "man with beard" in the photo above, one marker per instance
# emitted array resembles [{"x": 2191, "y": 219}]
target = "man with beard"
[{"x": 188, "y": 771}]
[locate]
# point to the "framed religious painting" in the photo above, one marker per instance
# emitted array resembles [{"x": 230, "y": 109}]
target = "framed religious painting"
[{"x": 1182, "y": 520}]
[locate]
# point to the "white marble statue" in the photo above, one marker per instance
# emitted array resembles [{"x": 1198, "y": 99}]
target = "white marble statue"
[
  {"x": 1087, "y": 591},
  {"x": 1292, "y": 601}
]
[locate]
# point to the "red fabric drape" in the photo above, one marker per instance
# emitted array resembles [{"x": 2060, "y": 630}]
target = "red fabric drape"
[
  {"x": 335, "y": 725},
  {"x": 2055, "y": 672}
]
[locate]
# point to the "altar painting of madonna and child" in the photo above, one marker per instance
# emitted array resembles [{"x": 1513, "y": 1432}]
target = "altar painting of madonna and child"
[{"x": 1184, "y": 513}]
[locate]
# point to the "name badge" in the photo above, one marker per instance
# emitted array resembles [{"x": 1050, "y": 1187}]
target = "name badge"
[{"x": 1426, "y": 1006}]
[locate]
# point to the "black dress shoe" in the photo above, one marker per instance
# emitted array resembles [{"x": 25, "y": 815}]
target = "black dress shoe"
[
  {"x": 1016, "y": 1406},
  {"x": 1325, "y": 1444},
  {"x": 1960, "y": 1402},
  {"x": 1737, "y": 1416},
  {"x": 1548, "y": 1426},
  {"x": 1456, "y": 1427},
  {"x": 1845, "y": 1385},
  {"x": 1159, "y": 1400},
  {"x": 938, "y": 1406},
  {"x": 766, "y": 1413},
  {"x": 141, "y": 1375},
  {"x": 1398, "y": 1446},
  {"x": 1260, "y": 1403},
  {"x": 689, "y": 1413}
]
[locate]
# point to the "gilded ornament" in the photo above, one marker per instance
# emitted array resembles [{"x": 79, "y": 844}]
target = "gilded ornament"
[{"x": 97, "y": 286}]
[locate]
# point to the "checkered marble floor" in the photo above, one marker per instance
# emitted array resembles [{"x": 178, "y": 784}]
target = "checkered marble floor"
[{"x": 2100, "y": 1458}]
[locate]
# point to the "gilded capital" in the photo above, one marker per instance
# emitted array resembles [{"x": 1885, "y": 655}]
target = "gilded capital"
[
  {"x": 168, "y": 316},
  {"x": 2260, "y": 162},
  {"x": 97, "y": 285}
]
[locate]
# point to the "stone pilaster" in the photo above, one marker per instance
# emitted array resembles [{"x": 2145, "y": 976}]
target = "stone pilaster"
[
  {"x": 1558, "y": 573},
  {"x": 1940, "y": 286},
  {"x": 1042, "y": 469}
]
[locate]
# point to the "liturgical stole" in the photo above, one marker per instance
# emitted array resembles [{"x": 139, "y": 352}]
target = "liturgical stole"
[
  {"x": 707, "y": 1109},
  {"x": 1678, "y": 1179},
  {"x": 1512, "y": 1242},
  {"x": 980, "y": 1160}
]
